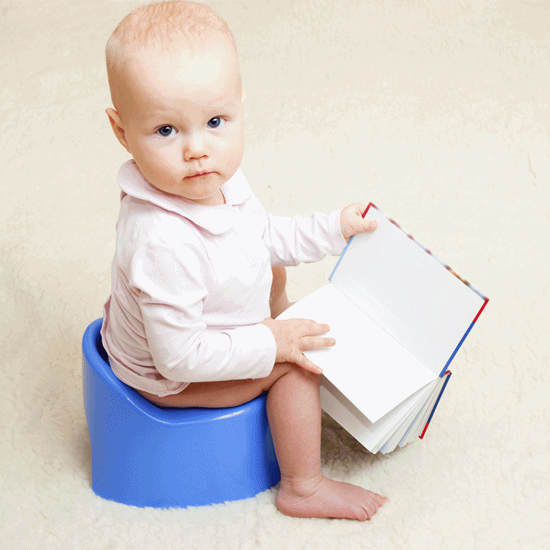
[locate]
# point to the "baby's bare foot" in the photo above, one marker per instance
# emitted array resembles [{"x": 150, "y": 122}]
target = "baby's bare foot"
[{"x": 325, "y": 498}]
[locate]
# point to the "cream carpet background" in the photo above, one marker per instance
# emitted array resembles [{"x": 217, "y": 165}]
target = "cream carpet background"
[{"x": 437, "y": 111}]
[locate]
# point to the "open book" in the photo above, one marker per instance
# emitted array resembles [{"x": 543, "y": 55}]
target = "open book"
[{"x": 399, "y": 316}]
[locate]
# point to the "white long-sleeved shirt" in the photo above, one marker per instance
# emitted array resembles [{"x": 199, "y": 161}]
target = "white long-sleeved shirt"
[{"x": 191, "y": 283}]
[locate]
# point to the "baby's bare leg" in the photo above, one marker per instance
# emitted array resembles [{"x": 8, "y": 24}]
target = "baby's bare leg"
[{"x": 295, "y": 420}]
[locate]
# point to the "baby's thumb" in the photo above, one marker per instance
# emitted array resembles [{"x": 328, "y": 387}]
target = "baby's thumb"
[{"x": 369, "y": 225}]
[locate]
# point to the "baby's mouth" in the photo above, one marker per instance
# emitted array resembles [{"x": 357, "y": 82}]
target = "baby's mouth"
[{"x": 199, "y": 174}]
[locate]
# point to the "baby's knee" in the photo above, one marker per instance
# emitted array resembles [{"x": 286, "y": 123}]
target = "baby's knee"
[
  {"x": 310, "y": 378},
  {"x": 297, "y": 375},
  {"x": 279, "y": 370}
]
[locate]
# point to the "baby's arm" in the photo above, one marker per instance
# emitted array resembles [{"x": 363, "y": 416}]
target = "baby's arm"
[
  {"x": 170, "y": 290},
  {"x": 291, "y": 241}
]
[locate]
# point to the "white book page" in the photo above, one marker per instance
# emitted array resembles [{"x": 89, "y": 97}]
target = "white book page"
[
  {"x": 371, "y": 436},
  {"x": 399, "y": 436},
  {"x": 407, "y": 292},
  {"x": 370, "y": 367},
  {"x": 420, "y": 422}
]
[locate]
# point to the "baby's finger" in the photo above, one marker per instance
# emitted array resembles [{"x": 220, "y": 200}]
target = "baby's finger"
[
  {"x": 315, "y": 329},
  {"x": 369, "y": 226},
  {"x": 302, "y": 361},
  {"x": 315, "y": 342}
]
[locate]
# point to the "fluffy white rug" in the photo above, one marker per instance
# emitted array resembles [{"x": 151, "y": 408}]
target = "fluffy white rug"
[{"x": 436, "y": 111}]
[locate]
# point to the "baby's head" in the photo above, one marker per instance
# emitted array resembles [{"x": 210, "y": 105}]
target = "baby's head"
[{"x": 176, "y": 90}]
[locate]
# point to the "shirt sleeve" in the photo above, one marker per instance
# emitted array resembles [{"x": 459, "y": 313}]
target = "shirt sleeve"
[
  {"x": 170, "y": 290},
  {"x": 291, "y": 241}
]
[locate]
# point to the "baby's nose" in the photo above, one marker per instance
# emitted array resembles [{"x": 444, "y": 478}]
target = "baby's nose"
[{"x": 195, "y": 147}]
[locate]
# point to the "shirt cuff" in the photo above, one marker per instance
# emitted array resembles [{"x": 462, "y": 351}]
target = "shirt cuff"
[
  {"x": 256, "y": 346},
  {"x": 339, "y": 242}
]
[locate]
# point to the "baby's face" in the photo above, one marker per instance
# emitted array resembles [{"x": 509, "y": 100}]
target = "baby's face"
[{"x": 183, "y": 120}]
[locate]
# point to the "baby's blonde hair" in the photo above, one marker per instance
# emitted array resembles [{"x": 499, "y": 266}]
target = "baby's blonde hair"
[{"x": 160, "y": 25}]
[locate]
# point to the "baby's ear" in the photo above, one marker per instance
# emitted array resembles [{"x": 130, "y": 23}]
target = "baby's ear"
[
  {"x": 118, "y": 128},
  {"x": 243, "y": 97}
]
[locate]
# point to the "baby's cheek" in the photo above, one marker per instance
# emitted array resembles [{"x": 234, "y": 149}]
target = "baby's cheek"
[{"x": 234, "y": 151}]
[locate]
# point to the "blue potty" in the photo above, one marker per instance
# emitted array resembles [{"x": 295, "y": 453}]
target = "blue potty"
[{"x": 148, "y": 456}]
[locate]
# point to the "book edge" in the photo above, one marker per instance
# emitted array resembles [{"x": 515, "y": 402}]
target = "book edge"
[{"x": 449, "y": 373}]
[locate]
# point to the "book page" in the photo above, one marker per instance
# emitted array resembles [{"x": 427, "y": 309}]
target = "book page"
[
  {"x": 370, "y": 367},
  {"x": 407, "y": 291},
  {"x": 371, "y": 436}
]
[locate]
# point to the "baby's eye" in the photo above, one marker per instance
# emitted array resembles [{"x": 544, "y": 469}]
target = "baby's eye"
[
  {"x": 216, "y": 122},
  {"x": 165, "y": 131}
]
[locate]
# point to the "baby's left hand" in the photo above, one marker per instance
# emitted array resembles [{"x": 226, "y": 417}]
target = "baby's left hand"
[{"x": 352, "y": 221}]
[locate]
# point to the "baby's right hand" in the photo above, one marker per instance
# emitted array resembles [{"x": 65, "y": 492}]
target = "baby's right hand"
[{"x": 293, "y": 336}]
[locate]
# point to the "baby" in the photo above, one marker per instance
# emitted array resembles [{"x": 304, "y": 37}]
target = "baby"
[{"x": 188, "y": 322}]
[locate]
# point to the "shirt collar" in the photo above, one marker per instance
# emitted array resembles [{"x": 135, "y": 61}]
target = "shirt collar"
[{"x": 215, "y": 219}]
